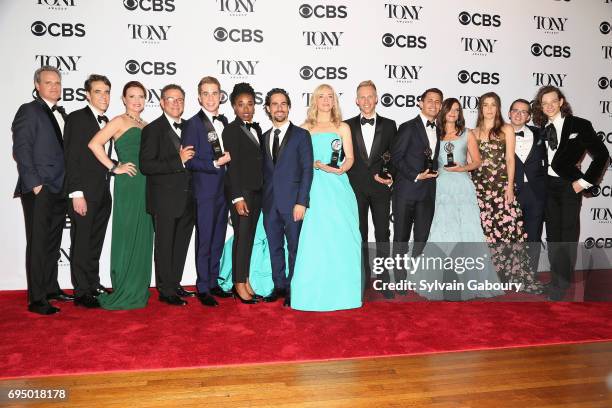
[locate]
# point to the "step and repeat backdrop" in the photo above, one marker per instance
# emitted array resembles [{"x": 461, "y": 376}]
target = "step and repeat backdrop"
[{"x": 464, "y": 47}]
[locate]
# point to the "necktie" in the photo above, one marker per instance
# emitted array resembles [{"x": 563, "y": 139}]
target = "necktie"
[
  {"x": 177, "y": 125},
  {"x": 219, "y": 118},
  {"x": 431, "y": 124},
  {"x": 102, "y": 118},
  {"x": 369, "y": 121},
  {"x": 521, "y": 133},
  {"x": 551, "y": 136},
  {"x": 275, "y": 145}
]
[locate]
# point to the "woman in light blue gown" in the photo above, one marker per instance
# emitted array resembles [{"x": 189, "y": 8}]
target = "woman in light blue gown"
[
  {"x": 327, "y": 272},
  {"x": 456, "y": 232}
]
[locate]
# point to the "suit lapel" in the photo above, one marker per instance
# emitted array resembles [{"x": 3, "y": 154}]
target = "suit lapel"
[
  {"x": 359, "y": 139},
  {"x": 536, "y": 138},
  {"x": 56, "y": 128},
  {"x": 565, "y": 132},
  {"x": 281, "y": 148},
  {"x": 267, "y": 140},
  {"x": 374, "y": 151},
  {"x": 422, "y": 131},
  {"x": 249, "y": 134},
  {"x": 170, "y": 133},
  {"x": 208, "y": 126}
]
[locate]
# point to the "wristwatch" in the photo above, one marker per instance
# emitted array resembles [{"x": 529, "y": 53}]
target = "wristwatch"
[{"x": 111, "y": 171}]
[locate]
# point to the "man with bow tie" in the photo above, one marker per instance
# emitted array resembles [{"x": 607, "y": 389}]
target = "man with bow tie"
[
  {"x": 530, "y": 167},
  {"x": 373, "y": 136},
  {"x": 38, "y": 149},
  {"x": 568, "y": 139},
  {"x": 208, "y": 166},
  {"x": 88, "y": 187},
  {"x": 244, "y": 181},
  {"x": 169, "y": 193},
  {"x": 414, "y": 192}
]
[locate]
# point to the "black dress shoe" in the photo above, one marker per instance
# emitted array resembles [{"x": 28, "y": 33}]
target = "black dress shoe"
[
  {"x": 180, "y": 291},
  {"x": 172, "y": 300},
  {"x": 207, "y": 300},
  {"x": 42, "y": 308},
  {"x": 245, "y": 301},
  {"x": 556, "y": 294},
  {"x": 87, "y": 301},
  {"x": 61, "y": 296},
  {"x": 276, "y": 293},
  {"x": 220, "y": 293},
  {"x": 100, "y": 290}
]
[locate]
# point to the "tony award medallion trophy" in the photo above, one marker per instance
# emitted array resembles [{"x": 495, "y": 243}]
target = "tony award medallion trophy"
[
  {"x": 336, "y": 146},
  {"x": 429, "y": 164},
  {"x": 450, "y": 159},
  {"x": 213, "y": 139},
  {"x": 384, "y": 172}
]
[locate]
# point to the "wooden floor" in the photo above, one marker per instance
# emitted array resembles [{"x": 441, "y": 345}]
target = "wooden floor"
[{"x": 567, "y": 376}]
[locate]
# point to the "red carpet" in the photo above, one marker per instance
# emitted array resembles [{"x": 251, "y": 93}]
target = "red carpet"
[{"x": 160, "y": 336}]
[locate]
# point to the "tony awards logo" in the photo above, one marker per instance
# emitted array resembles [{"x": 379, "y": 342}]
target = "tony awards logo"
[
  {"x": 336, "y": 146},
  {"x": 213, "y": 139}
]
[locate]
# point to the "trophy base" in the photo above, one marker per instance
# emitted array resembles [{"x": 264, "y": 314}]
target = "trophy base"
[
  {"x": 450, "y": 165},
  {"x": 384, "y": 176},
  {"x": 334, "y": 165}
]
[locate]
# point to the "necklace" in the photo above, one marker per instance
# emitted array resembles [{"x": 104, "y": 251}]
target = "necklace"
[{"x": 139, "y": 121}]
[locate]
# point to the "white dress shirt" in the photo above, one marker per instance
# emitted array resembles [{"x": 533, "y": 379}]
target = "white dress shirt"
[
  {"x": 281, "y": 135},
  {"x": 431, "y": 133},
  {"x": 524, "y": 145},
  {"x": 217, "y": 124},
  {"x": 368, "y": 134},
  {"x": 58, "y": 116}
]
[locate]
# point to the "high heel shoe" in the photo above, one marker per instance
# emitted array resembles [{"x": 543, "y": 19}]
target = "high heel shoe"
[
  {"x": 254, "y": 295},
  {"x": 246, "y": 301}
]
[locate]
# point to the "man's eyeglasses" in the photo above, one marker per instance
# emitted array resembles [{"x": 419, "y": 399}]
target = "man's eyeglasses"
[{"x": 172, "y": 99}]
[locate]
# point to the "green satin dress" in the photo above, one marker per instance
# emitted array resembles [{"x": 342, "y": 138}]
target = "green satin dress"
[{"x": 132, "y": 241}]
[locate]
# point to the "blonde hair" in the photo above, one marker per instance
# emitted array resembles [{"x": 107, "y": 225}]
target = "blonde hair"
[
  {"x": 312, "y": 113},
  {"x": 363, "y": 84}
]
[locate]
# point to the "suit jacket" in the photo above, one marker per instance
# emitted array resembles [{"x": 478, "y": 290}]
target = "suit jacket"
[
  {"x": 535, "y": 166},
  {"x": 207, "y": 179},
  {"x": 571, "y": 150},
  {"x": 288, "y": 182},
  {"x": 37, "y": 148},
  {"x": 244, "y": 172},
  {"x": 83, "y": 171},
  {"x": 361, "y": 174},
  {"x": 168, "y": 181},
  {"x": 408, "y": 157}
]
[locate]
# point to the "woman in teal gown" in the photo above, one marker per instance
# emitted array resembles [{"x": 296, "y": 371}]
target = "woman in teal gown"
[
  {"x": 327, "y": 272},
  {"x": 132, "y": 240},
  {"x": 456, "y": 232}
]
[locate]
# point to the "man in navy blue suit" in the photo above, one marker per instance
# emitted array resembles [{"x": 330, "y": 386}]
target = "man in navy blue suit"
[
  {"x": 203, "y": 132},
  {"x": 288, "y": 161},
  {"x": 38, "y": 149},
  {"x": 530, "y": 175}
]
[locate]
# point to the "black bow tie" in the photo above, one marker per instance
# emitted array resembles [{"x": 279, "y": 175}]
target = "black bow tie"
[
  {"x": 521, "y": 133},
  {"x": 178, "y": 125},
  {"x": 252, "y": 125},
  {"x": 551, "y": 136},
  {"x": 102, "y": 118},
  {"x": 58, "y": 108},
  {"x": 220, "y": 118},
  {"x": 369, "y": 121},
  {"x": 431, "y": 124}
]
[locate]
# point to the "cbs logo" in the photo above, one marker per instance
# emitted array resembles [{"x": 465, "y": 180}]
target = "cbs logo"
[
  {"x": 39, "y": 29},
  {"x": 479, "y": 19},
  {"x": 321, "y": 11},
  {"x": 307, "y": 72},
  {"x": 149, "y": 5},
  {"x": 555, "y": 51},
  {"x": 133, "y": 67},
  {"x": 238, "y": 35},
  {"x": 404, "y": 41},
  {"x": 485, "y": 78}
]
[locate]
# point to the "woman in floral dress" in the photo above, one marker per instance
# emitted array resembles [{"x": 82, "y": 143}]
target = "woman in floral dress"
[{"x": 500, "y": 214}]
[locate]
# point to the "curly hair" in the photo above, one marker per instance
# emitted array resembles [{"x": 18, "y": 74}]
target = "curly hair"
[
  {"x": 312, "y": 113},
  {"x": 539, "y": 117},
  {"x": 239, "y": 89}
]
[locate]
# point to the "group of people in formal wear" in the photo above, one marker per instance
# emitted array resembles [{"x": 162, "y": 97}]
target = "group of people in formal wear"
[{"x": 298, "y": 197}]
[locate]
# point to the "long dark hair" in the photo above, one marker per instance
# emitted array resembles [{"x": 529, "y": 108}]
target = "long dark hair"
[
  {"x": 539, "y": 117},
  {"x": 496, "y": 131},
  {"x": 447, "y": 105}
]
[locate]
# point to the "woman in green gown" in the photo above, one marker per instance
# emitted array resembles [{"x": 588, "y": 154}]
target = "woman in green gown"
[{"x": 132, "y": 240}]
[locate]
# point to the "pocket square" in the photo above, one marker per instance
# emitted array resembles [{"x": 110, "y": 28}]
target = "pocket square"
[{"x": 573, "y": 136}]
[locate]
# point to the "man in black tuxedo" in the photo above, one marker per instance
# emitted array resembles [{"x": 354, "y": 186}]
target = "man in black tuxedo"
[
  {"x": 38, "y": 149},
  {"x": 530, "y": 175},
  {"x": 87, "y": 183},
  {"x": 568, "y": 139},
  {"x": 169, "y": 193},
  {"x": 414, "y": 193},
  {"x": 244, "y": 179},
  {"x": 202, "y": 131},
  {"x": 372, "y": 136}
]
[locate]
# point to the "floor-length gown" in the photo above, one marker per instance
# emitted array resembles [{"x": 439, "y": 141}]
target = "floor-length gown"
[
  {"x": 456, "y": 234},
  {"x": 132, "y": 240},
  {"x": 327, "y": 273},
  {"x": 502, "y": 223}
]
